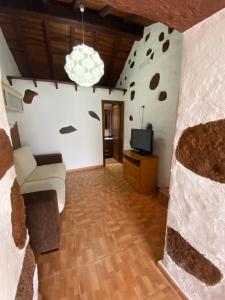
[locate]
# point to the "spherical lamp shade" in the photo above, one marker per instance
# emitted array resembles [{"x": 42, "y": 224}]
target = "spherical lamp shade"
[{"x": 84, "y": 65}]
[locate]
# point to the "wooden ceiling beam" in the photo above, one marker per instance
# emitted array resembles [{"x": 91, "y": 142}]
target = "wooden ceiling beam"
[
  {"x": 129, "y": 18},
  {"x": 48, "y": 48},
  {"x": 66, "y": 15},
  {"x": 107, "y": 10}
]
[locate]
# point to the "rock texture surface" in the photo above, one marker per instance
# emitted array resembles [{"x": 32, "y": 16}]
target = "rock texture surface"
[
  {"x": 19, "y": 230},
  {"x": 201, "y": 149},
  {"x": 6, "y": 153},
  {"x": 189, "y": 259},
  {"x": 174, "y": 13},
  {"x": 196, "y": 208}
]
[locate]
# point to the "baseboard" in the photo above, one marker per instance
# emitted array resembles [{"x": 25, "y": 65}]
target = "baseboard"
[
  {"x": 171, "y": 281},
  {"x": 84, "y": 169}
]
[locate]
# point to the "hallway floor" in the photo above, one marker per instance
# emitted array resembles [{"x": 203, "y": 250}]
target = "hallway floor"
[{"x": 111, "y": 240}]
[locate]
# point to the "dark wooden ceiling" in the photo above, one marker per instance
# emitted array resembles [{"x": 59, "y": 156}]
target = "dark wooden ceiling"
[{"x": 41, "y": 33}]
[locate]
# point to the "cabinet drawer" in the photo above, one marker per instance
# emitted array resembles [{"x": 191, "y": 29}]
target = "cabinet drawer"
[{"x": 131, "y": 173}]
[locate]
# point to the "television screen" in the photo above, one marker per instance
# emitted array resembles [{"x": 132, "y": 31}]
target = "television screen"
[{"x": 141, "y": 140}]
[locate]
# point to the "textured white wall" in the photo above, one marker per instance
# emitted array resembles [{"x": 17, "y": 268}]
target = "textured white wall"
[
  {"x": 7, "y": 62},
  {"x": 197, "y": 204},
  {"x": 11, "y": 258},
  {"x": 55, "y": 108},
  {"x": 161, "y": 114}
]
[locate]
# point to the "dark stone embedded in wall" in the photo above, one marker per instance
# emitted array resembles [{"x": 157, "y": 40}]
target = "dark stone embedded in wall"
[
  {"x": 161, "y": 36},
  {"x": 132, "y": 84},
  {"x": 125, "y": 78},
  {"x": 19, "y": 229},
  {"x": 131, "y": 118},
  {"x": 147, "y": 37},
  {"x": 67, "y": 129},
  {"x": 94, "y": 115},
  {"x": 189, "y": 259},
  {"x": 132, "y": 95},
  {"x": 165, "y": 45},
  {"x": 129, "y": 61},
  {"x": 152, "y": 55},
  {"x": 162, "y": 96},
  {"x": 132, "y": 65},
  {"x": 148, "y": 52},
  {"x": 154, "y": 81},
  {"x": 6, "y": 153},
  {"x": 135, "y": 52},
  {"x": 201, "y": 149},
  {"x": 28, "y": 96},
  {"x": 170, "y": 30},
  {"x": 25, "y": 289}
]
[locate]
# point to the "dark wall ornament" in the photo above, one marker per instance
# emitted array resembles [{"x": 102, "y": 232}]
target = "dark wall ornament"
[
  {"x": 132, "y": 84},
  {"x": 161, "y": 36},
  {"x": 189, "y": 259},
  {"x": 132, "y": 95},
  {"x": 120, "y": 82},
  {"x": 165, "y": 45},
  {"x": 6, "y": 153},
  {"x": 19, "y": 229},
  {"x": 148, "y": 52},
  {"x": 163, "y": 96},
  {"x": 67, "y": 129},
  {"x": 29, "y": 96},
  {"x": 94, "y": 115},
  {"x": 132, "y": 64},
  {"x": 147, "y": 37},
  {"x": 131, "y": 118},
  {"x": 154, "y": 81},
  {"x": 170, "y": 30},
  {"x": 201, "y": 149},
  {"x": 152, "y": 56},
  {"x": 129, "y": 61},
  {"x": 135, "y": 53}
]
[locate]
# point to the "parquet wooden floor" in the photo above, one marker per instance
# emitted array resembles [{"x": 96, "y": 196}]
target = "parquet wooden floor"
[{"x": 111, "y": 239}]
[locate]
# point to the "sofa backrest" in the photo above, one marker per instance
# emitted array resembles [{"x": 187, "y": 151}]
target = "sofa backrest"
[{"x": 24, "y": 162}]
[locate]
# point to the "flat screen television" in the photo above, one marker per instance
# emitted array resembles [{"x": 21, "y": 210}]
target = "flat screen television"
[{"x": 141, "y": 140}]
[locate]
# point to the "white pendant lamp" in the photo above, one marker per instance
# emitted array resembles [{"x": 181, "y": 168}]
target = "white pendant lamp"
[{"x": 84, "y": 65}]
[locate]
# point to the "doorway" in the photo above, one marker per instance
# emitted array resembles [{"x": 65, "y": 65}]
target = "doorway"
[{"x": 112, "y": 131}]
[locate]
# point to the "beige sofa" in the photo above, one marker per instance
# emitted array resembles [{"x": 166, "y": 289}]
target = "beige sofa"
[{"x": 34, "y": 178}]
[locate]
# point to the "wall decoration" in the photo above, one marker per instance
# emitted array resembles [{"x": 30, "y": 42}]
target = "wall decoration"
[
  {"x": 19, "y": 229},
  {"x": 152, "y": 56},
  {"x": 188, "y": 258},
  {"x": 154, "y": 81},
  {"x": 129, "y": 61},
  {"x": 25, "y": 285},
  {"x": 148, "y": 52},
  {"x": 132, "y": 84},
  {"x": 161, "y": 36},
  {"x": 135, "y": 52},
  {"x": 204, "y": 144},
  {"x": 132, "y": 95},
  {"x": 29, "y": 96},
  {"x": 6, "y": 153},
  {"x": 132, "y": 64},
  {"x": 67, "y": 129},
  {"x": 125, "y": 78},
  {"x": 163, "y": 96},
  {"x": 147, "y": 37},
  {"x": 94, "y": 115},
  {"x": 131, "y": 118},
  {"x": 170, "y": 30},
  {"x": 120, "y": 82},
  {"x": 165, "y": 45}
]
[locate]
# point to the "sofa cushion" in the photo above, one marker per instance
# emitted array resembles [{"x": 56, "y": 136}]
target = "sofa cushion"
[
  {"x": 47, "y": 171},
  {"x": 24, "y": 163},
  {"x": 56, "y": 184}
]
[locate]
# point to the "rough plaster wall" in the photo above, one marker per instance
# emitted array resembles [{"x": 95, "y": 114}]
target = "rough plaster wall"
[
  {"x": 162, "y": 114},
  {"x": 196, "y": 208},
  {"x": 11, "y": 258},
  {"x": 53, "y": 109},
  {"x": 7, "y": 62}
]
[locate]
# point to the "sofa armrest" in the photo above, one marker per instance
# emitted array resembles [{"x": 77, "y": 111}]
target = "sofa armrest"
[
  {"x": 47, "y": 159},
  {"x": 42, "y": 220}
]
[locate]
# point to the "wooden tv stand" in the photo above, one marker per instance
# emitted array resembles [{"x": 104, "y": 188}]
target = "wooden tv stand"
[{"x": 140, "y": 171}]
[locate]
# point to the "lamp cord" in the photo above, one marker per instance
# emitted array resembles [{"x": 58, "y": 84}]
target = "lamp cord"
[{"x": 82, "y": 18}]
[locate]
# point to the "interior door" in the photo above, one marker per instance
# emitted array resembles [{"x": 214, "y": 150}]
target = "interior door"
[{"x": 116, "y": 131}]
